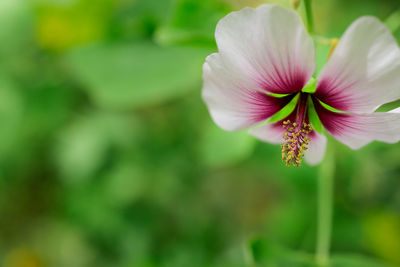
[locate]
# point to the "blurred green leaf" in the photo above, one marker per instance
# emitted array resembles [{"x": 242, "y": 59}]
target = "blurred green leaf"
[
  {"x": 56, "y": 241},
  {"x": 135, "y": 75},
  {"x": 83, "y": 145},
  {"x": 384, "y": 242},
  {"x": 91, "y": 166},
  {"x": 295, "y": 208},
  {"x": 11, "y": 114},
  {"x": 220, "y": 148},
  {"x": 125, "y": 183},
  {"x": 81, "y": 150},
  {"x": 140, "y": 18},
  {"x": 236, "y": 256},
  {"x": 192, "y": 20},
  {"x": 355, "y": 260},
  {"x": 87, "y": 207},
  {"x": 17, "y": 14},
  {"x": 135, "y": 248},
  {"x": 63, "y": 24},
  {"x": 268, "y": 254}
]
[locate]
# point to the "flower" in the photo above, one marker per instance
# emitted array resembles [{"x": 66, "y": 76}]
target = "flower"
[{"x": 265, "y": 62}]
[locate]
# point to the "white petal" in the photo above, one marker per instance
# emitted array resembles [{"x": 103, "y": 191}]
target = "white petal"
[
  {"x": 270, "y": 133},
  {"x": 396, "y": 110},
  {"x": 316, "y": 149},
  {"x": 269, "y": 45},
  {"x": 232, "y": 102},
  {"x": 357, "y": 130},
  {"x": 364, "y": 69}
]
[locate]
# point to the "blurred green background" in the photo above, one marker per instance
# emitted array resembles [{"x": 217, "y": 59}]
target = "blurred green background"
[{"x": 108, "y": 156}]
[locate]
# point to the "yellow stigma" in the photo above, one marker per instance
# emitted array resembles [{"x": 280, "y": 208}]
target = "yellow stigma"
[{"x": 295, "y": 142}]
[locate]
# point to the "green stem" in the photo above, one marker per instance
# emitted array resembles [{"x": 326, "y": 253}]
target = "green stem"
[
  {"x": 310, "y": 21},
  {"x": 325, "y": 196}
]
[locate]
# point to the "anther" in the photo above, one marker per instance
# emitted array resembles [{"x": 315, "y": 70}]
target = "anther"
[{"x": 296, "y": 141}]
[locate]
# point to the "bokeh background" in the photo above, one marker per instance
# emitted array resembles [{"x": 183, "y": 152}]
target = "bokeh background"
[{"x": 108, "y": 156}]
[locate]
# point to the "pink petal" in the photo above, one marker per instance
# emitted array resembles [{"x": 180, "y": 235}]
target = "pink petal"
[
  {"x": 316, "y": 148},
  {"x": 268, "y": 45},
  {"x": 232, "y": 102},
  {"x": 357, "y": 130},
  {"x": 364, "y": 69},
  {"x": 273, "y": 132}
]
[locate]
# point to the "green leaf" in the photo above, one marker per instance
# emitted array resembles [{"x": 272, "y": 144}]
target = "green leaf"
[
  {"x": 314, "y": 119},
  {"x": 311, "y": 86},
  {"x": 123, "y": 76},
  {"x": 285, "y": 111},
  {"x": 220, "y": 148},
  {"x": 330, "y": 108}
]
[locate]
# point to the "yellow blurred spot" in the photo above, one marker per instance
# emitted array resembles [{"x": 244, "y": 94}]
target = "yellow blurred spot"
[
  {"x": 21, "y": 258},
  {"x": 334, "y": 42},
  {"x": 60, "y": 27},
  {"x": 295, "y": 3},
  {"x": 383, "y": 232},
  {"x": 58, "y": 32}
]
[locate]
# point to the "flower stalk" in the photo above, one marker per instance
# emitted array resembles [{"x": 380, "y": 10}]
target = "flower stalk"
[
  {"x": 325, "y": 207},
  {"x": 310, "y": 20}
]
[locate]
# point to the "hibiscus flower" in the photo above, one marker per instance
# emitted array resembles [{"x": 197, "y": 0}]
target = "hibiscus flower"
[{"x": 264, "y": 67}]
